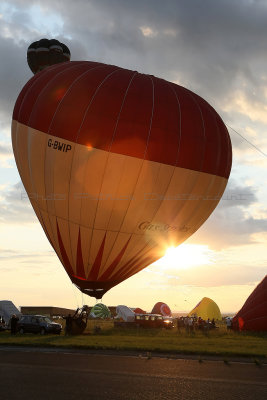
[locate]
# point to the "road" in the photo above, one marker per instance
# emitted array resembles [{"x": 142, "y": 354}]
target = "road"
[{"x": 48, "y": 375}]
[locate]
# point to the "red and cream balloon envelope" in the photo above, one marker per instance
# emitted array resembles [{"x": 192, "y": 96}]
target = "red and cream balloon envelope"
[{"x": 118, "y": 166}]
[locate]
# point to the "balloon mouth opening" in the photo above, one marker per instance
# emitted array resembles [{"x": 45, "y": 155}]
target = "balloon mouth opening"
[
  {"x": 95, "y": 289},
  {"x": 97, "y": 293}
]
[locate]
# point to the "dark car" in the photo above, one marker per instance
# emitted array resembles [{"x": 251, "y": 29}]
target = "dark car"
[
  {"x": 149, "y": 321},
  {"x": 37, "y": 324}
]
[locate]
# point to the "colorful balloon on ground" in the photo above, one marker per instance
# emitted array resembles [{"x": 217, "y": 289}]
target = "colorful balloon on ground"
[
  {"x": 253, "y": 314},
  {"x": 100, "y": 311},
  {"x": 118, "y": 166},
  {"x": 206, "y": 309},
  {"x": 162, "y": 308},
  {"x": 45, "y": 52}
]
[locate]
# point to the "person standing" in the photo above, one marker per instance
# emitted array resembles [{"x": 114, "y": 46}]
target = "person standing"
[
  {"x": 13, "y": 324},
  {"x": 68, "y": 327}
]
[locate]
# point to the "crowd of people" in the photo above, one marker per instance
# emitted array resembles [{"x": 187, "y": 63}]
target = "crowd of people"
[{"x": 194, "y": 323}]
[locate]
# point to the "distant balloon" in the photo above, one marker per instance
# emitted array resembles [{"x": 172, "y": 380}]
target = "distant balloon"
[
  {"x": 162, "y": 308},
  {"x": 45, "y": 53},
  {"x": 206, "y": 308},
  {"x": 100, "y": 311},
  {"x": 118, "y": 166}
]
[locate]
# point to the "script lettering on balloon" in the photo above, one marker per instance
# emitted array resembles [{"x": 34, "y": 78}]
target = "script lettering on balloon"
[{"x": 148, "y": 226}]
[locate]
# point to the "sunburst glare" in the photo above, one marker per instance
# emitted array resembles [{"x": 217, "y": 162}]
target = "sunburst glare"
[{"x": 186, "y": 256}]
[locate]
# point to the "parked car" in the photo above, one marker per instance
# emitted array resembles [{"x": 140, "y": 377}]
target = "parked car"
[
  {"x": 147, "y": 321},
  {"x": 37, "y": 324}
]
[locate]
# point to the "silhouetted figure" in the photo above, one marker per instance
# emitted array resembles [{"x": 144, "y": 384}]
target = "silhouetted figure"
[
  {"x": 68, "y": 326},
  {"x": 13, "y": 324}
]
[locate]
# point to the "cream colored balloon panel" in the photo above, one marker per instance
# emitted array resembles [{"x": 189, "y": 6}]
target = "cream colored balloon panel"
[
  {"x": 159, "y": 177},
  {"x": 77, "y": 188},
  {"x": 96, "y": 244},
  {"x": 49, "y": 179},
  {"x": 65, "y": 235},
  {"x": 45, "y": 220},
  {"x": 111, "y": 181},
  {"x": 175, "y": 197},
  {"x": 194, "y": 198},
  {"x": 140, "y": 210},
  {"x": 110, "y": 240},
  {"x": 60, "y": 175},
  {"x": 173, "y": 202},
  {"x": 91, "y": 185},
  {"x": 36, "y": 154},
  {"x": 21, "y": 137},
  {"x": 208, "y": 200},
  {"x": 124, "y": 191},
  {"x": 74, "y": 236},
  {"x": 14, "y": 132}
]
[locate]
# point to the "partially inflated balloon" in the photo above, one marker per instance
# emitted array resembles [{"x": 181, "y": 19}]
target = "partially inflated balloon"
[
  {"x": 253, "y": 314},
  {"x": 118, "y": 166},
  {"x": 162, "y": 308},
  {"x": 100, "y": 311},
  {"x": 45, "y": 52}
]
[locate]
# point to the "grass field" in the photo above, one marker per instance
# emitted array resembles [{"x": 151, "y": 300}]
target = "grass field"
[{"x": 219, "y": 342}]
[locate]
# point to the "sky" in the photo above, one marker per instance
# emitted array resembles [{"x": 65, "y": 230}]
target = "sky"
[{"x": 217, "y": 49}]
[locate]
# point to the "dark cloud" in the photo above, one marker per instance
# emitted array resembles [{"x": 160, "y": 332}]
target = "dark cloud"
[
  {"x": 208, "y": 44},
  {"x": 236, "y": 195},
  {"x": 231, "y": 224}
]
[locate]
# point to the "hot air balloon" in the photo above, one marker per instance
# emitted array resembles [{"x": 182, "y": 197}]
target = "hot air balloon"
[
  {"x": 162, "y": 308},
  {"x": 118, "y": 166},
  {"x": 100, "y": 310},
  {"x": 45, "y": 52},
  {"x": 253, "y": 314},
  {"x": 205, "y": 309}
]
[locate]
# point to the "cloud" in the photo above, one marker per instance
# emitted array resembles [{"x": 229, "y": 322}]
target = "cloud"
[
  {"x": 5, "y": 155},
  {"x": 15, "y": 207},
  {"x": 218, "y": 275},
  {"x": 233, "y": 222}
]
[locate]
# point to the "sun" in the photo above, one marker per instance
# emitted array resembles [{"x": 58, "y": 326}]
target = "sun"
[{"x": 186, "y": 256}]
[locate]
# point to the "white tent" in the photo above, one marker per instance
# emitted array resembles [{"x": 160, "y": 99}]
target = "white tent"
[
  {"x": 125, "y": 313},
  {"x": 7, "y": 309}
]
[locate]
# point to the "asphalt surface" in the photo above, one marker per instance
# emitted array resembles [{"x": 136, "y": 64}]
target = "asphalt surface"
[{"x": 46, "y": 374}]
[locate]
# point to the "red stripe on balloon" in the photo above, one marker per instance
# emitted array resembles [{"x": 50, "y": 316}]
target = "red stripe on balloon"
[
  {"x": 97, "y": 263},
  {"x": 113, "y": 265},
  {"x": 79, "y": 259},
  {"x": 66, "y": 262},
  {"x": 126, "y": 267},
  {"x": 135, "y": 269},
  {"x": 145, "y": 117}
]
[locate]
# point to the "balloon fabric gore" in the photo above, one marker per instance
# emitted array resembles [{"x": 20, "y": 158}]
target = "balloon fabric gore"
[{"x": 118, "y": 166}]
